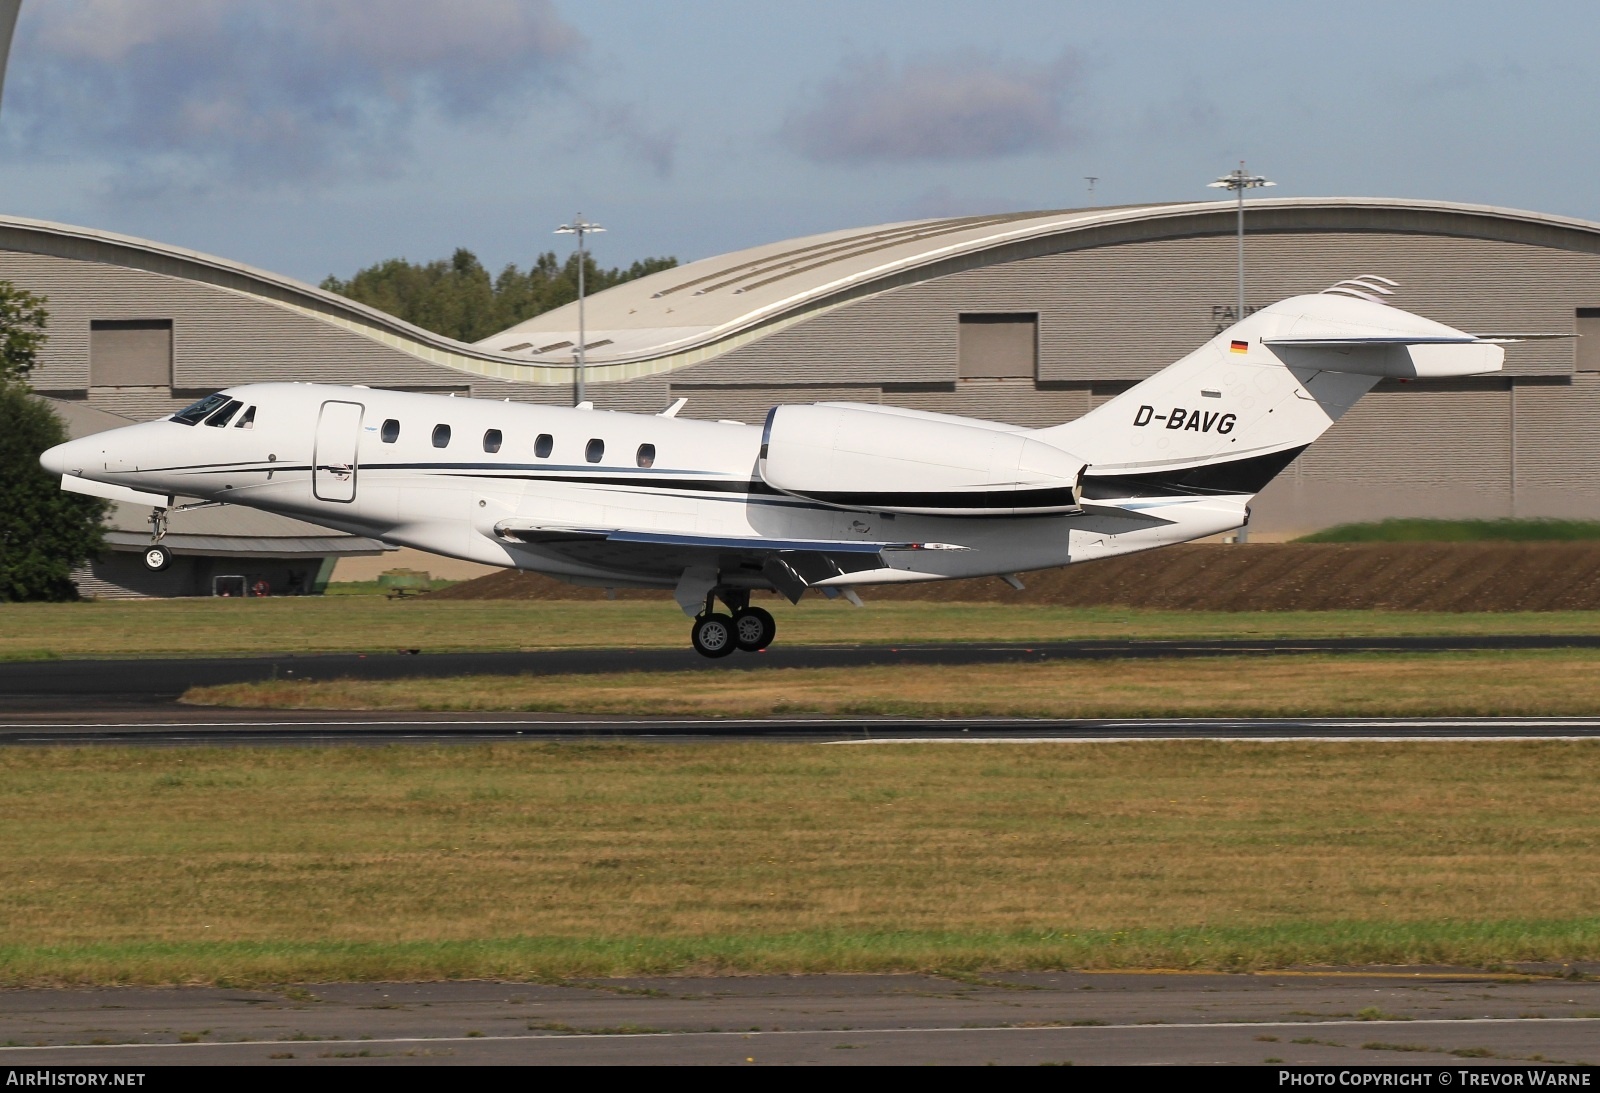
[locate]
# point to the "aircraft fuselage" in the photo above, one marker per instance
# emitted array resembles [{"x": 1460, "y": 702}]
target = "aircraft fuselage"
[{"x": 442, "y": 474}]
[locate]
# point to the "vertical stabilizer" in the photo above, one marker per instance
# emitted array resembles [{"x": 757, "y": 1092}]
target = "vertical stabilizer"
[{"x": 1236, "y": 411}]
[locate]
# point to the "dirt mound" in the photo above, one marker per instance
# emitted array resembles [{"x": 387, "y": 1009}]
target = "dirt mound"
[{"x": 1487, "y": 576}]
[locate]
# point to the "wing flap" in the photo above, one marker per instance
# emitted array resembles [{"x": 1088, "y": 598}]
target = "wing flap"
[
  {"x": 790, "y": 565},
  {"x": 547, "y": 533}
]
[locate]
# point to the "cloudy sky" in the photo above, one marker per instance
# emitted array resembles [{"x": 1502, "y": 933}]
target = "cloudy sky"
[{"x": 317, "y": 136}]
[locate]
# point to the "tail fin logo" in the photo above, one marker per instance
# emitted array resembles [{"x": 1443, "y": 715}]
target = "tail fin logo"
[{"x": 1239, "y": 347}]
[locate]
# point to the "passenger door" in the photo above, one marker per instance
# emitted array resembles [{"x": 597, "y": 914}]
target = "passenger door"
[{"x": 333, "y": 474}]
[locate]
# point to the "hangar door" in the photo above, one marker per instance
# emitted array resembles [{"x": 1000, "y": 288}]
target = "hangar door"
[{"x": 333, "y": 474}]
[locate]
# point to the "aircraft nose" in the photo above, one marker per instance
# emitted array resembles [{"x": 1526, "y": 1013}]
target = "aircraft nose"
[{"x": 68, "y": 458}]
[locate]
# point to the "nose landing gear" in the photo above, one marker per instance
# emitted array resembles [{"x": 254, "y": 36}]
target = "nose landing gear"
[
  {"x": 157, "y": 558},
  {"x": 749, "y": 628}
]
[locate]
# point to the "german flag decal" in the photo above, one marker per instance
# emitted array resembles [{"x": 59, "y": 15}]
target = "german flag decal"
[{"x": 1239, "y": 347}]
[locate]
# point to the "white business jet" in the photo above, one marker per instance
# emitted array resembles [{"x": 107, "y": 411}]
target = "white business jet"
[{"x": 827, "y": 496}]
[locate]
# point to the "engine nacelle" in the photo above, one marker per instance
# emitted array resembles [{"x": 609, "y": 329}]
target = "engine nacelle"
[{"x": 862, "y": 459}]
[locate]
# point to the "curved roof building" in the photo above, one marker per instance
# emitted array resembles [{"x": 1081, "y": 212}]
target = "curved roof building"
[{"x": 1032, "y": 318}]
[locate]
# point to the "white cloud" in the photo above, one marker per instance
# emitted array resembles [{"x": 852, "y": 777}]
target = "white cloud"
[{"x": 956, "y": 106}]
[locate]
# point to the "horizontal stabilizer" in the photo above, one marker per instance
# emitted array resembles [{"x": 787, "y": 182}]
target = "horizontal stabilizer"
[
  {"x": 1359, "y": 342},
  {"x": 1512, "y": 339},
  {"x": 1393, "y": 356}
]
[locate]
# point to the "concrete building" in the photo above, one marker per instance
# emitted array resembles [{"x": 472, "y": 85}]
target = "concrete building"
[{"x": 1031, "y": 318}]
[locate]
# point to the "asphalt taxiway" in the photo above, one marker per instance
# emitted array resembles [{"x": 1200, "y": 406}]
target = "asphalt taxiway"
[
  {"x": 136, "y": 701},
  {"x": 1413, "y": 1017},
  {"x": 164, "y": 679}
]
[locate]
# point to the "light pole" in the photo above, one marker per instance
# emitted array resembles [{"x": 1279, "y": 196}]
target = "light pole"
[
  {"x": 1239, "y": 181},
  {"x": 579, "y": 227}
]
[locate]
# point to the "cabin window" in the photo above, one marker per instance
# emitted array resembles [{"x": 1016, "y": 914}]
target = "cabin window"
[
  {"x": 441, "y": 436},
  {"x": 390, "y": 432},
  {"x": 247, "y": 420},
  {"x": 220, "y": 419},
  {"x": 195, "y": 413},
  {"x": 595, "y": 452},
  {"x": 543, "y": 445},
  {"x": 647, "y": 455},
  {"x": 491, "y": 441}
]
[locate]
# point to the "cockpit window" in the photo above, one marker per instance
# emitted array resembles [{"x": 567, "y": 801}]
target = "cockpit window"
[
  {"x": 220, "y": 419},
  {"x": 194, "y": 414},
  {"x": 247, "y": 420}
]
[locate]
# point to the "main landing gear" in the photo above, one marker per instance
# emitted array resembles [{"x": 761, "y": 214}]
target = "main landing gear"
[{"x": 717, "y": 635}]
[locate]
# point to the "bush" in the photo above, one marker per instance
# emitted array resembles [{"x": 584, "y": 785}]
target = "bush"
[{"x": 44, "y": 531}]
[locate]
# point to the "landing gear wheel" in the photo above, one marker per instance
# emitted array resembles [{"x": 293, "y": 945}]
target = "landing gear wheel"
[
  {"x": 753, "y": 629},
  {"x": 157, "y": 558},
  {"x": 713, "y": 635}
]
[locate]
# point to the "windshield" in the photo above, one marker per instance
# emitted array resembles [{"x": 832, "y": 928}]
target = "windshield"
[{"x": 191, "y": 415}]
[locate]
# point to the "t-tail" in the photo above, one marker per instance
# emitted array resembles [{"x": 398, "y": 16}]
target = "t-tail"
[{"x": 1230, "y": 416}]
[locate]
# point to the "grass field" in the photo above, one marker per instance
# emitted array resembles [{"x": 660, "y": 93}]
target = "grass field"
[
  {"x": 247, "y": 865},
  {"x": 1477, "y": 684},
  {"x": 224, "y": 627},
  {"x": 1457, "y": 531}
]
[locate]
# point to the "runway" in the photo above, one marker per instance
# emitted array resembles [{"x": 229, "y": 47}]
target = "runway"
[
  {"x": 135, "y": 701},
  {"x": 1416, "y": 1017},
  {"x": 122, "y": 682}
]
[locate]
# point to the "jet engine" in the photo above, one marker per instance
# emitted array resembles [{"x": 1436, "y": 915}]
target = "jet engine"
[{"x": 906, "y": 462}]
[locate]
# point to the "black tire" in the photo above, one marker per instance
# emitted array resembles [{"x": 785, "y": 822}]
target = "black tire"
[
  {"x": 712, "y": 635},
  {"x": 157, "y": 558},
  {"x": 753, "y": 629}
]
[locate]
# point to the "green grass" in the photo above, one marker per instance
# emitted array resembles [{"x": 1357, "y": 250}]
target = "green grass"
[
  {"x": 1457, "y": 531},
  {"x": 1492, "y": 945},
  {"x": 248, "y": 865},
  {"x": 313, "y": 624}
]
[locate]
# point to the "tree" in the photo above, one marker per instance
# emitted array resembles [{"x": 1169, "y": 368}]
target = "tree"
[
  {"x": 44, "y": 531},
  {"x": 457, "y": 298},
  {"x": 22, "y": 330}
]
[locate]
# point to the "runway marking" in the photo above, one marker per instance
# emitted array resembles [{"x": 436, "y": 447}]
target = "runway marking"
[
  {"x": 1207, "y": 737},
  {"x": 1476, "y": 977},
  {"x": 751, "y": 1034}
]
